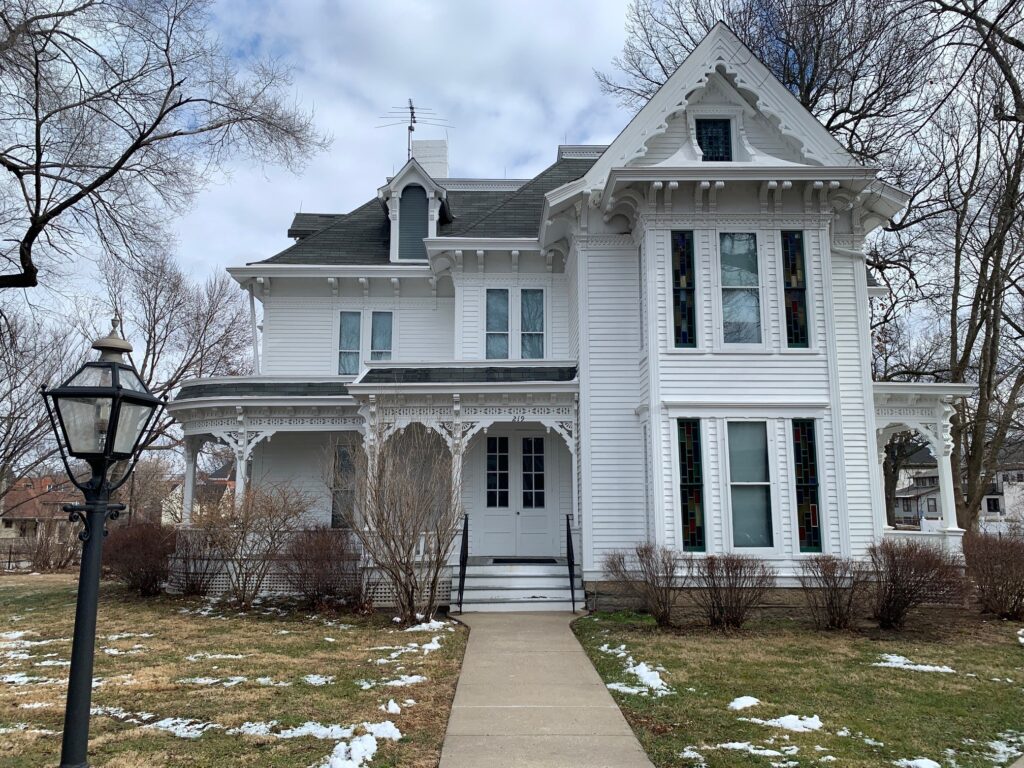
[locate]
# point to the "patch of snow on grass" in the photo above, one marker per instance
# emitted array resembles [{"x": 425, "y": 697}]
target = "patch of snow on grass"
[
  {"x": 895, "y": 661},
  {"x": 13, "y": 635},
  {"x": 183, "y": 727},
  {"x": 794, "y": 723},
  {"x": 201, "y": 656},
  {"x": 318, "y": 680},
  {"x": 391, "y": 707},
  {"x": 1006, "y": 747},
  {"x": 623, "y": 688},
  {"x": 427, "y": 626},
  {"x": 917, "y": 762},
  {"x": 271, "y": 682},
  {"x": 35, "y": 705},
  {"x": 690, "y": 753},
  {"x": 53, "y": 663},
  {"x": 361, "y": 750},
  {"x": 743, "y": 702},
  {"x": 746, "y": 746},
  {"x": 20, "y": 678}
]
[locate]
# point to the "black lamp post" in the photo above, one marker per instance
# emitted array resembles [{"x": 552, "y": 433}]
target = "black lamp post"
[{"x": 100, "y": 416}]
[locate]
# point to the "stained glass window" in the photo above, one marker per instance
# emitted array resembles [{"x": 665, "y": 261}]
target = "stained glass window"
[
  {"x": 531, "y": 323},
  {"x": 794, "y": 275},
  {"x": 714, "y": 137},
  {"x": 533, "y": 472},
  {"x": 684, "y": 295},
  {"x": 497, "y": 324},
  {"x": 691, "y": 485},
  {"x": 497, "y": 471},
  {"x": 805, "y": 467},
  {"x": 741, "y": 288}
]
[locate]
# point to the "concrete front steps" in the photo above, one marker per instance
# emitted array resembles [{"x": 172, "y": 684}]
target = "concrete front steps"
[{"x": 517, "y": 587}]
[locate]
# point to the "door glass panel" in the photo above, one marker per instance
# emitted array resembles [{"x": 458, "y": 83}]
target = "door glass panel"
[
  {"x": 497, "y": 471},
  {"x": 533, "y": 472}
]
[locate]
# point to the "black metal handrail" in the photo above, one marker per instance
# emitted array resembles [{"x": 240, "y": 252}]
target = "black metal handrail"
[
  {"x": 571, "y": 560},
  {"x": 463, "y": 558}
]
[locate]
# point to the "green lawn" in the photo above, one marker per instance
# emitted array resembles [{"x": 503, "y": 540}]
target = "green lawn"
[
  {"x": 870, "y": 716},
  {"x": 144, "y": 671}
]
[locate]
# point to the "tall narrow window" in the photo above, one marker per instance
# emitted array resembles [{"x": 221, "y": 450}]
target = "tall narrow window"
[
  {"x": 794, "y": 275},
  {"x": 380, "y": 335},
  {"x": 531, "y": 323},
  {"x": 497, "y": 324},
  {"x": 348, "y": 343},
  {"x": 497, "y": 471},
  {"x": 805, "y": 468},
  {"x": 533, "y": 472},
  {"x": 741, "y": 289},
  {"x": 691, "y": 485},
  {"x": 750, "y": 490},
  {"x": 343, "y": 487},
  {"x": 684, "y": 292},
  {"x": 714, "y": 137}
]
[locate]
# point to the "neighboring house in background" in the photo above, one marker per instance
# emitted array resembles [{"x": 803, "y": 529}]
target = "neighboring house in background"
[
  {"x": 665, "y": 339},
  {"x": 210, "y": 488},
  {"x": 32, "y": 500}
]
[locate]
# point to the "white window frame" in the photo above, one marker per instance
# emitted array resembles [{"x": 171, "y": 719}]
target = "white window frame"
[
  {"x": 369, "y": 339},
  {"x": 518, "y": 321},
  {"x": 780, "y": 294},
  {"x": 770, "y": 425},
  {"x": 365, "y": 336},
  {"x": 716, "y": 279},
  {"x": 515, "y": 308}
]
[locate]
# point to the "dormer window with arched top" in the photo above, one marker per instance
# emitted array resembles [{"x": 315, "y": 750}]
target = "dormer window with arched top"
[{"x": 413, "y": 222}]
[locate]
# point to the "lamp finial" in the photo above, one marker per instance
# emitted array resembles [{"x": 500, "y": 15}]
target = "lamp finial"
[{"x": 112, "y": 346}]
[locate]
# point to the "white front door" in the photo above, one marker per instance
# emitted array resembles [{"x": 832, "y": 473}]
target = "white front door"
[{"x": 517, "y": 516}]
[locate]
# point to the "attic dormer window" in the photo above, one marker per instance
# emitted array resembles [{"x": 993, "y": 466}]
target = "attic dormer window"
[
  {"x": 714, "y": 137},
  {"x": 412, "y": 223}
]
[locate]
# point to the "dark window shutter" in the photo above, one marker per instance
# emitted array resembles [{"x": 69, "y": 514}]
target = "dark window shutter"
[{"x": 412, "y": 223}]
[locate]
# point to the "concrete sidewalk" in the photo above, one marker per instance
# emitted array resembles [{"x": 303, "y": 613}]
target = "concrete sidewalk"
[{"x": 528, "y": 697}]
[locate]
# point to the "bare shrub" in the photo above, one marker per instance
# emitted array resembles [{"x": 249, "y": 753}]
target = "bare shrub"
[
  {"x": 251, "y": 535},
  {"x": 727, "y": 587},
  {"x": 995, "y": 564},
  {"x": 407, "y": 512},
  {"x": 651, "y": 575},
  {"x": 139, "y": 555},
  {"x": 197, "y": 561},
  {"x": 832, "y": 586},
  {"x": 908, "y": 573},
  {"x": 322, "y": 565},
  {"x": 55, "y": 545}
]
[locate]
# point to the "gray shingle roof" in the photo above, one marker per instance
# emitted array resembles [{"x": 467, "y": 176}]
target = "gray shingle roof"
[
  {"x": 471, "y": 375},
  {"x": 243, "y": 388},
  {"x": 363, "y": 236}
]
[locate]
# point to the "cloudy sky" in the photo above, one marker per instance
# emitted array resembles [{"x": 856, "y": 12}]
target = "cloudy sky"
[{"x": 515, "y": 79}]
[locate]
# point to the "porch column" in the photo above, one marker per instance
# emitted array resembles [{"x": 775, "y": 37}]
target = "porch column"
[
  {"x": 943, "y": 448},
  {"x": 240, "y": 470},
  {"x": 188, "y": 490}
]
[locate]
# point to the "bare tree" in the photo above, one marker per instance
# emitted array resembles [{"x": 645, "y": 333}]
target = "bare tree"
[
  {"x": 114, "y": 114},
  {"x": 406, "y": 513},
  {"x": 857, "y": 67}
]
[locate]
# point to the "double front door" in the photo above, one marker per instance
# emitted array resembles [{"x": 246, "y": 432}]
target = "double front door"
[{"x": 517, "y": 506}]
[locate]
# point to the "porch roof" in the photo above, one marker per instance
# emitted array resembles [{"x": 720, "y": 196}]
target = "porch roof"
[
  {"x": 252, "y": 387},
  {"x": 491, "y": 374}
]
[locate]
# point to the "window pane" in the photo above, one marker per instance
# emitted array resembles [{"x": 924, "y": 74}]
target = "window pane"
[
  {"x": 533, "y": 346},
  {"x": 805, "y": 470},
  {"x": 795, "y": 282},
  {"x": 533, "y": 472},
  {"x": 497, "y": 472},
  {"x": 348, "y": 363},
  {"x": 741, "y": 316},
  {"x": 380, "y": 335},
  {"x": 497, "y": 309},
  {"x": 532, "y": 301},
  {"x": 497, "y": 346},
  {"x": 349, "y": 331},
  {"x": 739, "y": 258},
  {"x": 751, "y": 516},
  {"x": 691, "y": 485},
  {"x": 748, "y": 452},
  {"x": 684, "y": 289},
  {"x": 714, "y": 137}
]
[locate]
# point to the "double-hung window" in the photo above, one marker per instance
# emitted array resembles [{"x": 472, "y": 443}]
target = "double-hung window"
[
  {"x": 684, "y": 290},
  {"x": 515, "y": 316},
  {"x": 364, "y": 335},
  {"x": 794, "y": 275},
  {"x": 741, "y": 288},
  {"x": 497, "y": 324},
  {"x": 750, "y": 484},
  {"x": 531, "y": 323},
  {"x": 691, "y": 485}
]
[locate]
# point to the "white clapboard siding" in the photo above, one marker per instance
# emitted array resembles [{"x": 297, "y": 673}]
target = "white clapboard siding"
[{"x": 301, "y": 460}]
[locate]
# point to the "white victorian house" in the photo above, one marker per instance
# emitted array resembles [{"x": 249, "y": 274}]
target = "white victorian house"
[{"x": 663, "y": 339}]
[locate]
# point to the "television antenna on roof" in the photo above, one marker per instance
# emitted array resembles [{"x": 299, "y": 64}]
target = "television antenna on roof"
[{"x": 411, "y": 116}]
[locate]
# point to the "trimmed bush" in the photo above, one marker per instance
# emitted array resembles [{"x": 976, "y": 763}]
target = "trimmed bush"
[
  {"x": 727, "y": 587},
  {"x": 138, "y": 556},
  {"x": 908, "y": 573},
  {"x": 650, "y": 575},
  {"x": 196, "y": 562},
  {"x": 55, "y": 545},
  {"x": 831, "y": 586},
  {"x": 322, "y": 566},
  {"x": 995, "y": 564}
]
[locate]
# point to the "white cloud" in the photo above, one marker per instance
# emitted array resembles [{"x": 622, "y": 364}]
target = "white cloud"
[{"x": 514, "y": 79}]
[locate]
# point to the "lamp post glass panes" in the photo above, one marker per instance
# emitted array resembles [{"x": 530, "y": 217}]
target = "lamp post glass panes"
[{"x": 101, "y": 416}]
